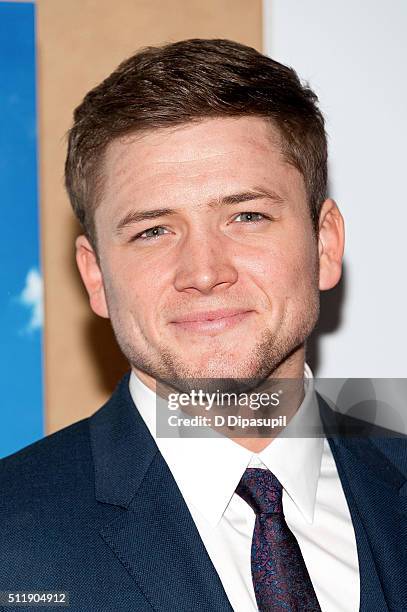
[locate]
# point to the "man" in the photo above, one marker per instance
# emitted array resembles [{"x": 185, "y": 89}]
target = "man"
[{"x": 198, "y": 171}]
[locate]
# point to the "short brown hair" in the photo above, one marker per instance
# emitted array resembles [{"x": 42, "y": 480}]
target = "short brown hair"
[{"x": 187, "y": 81}]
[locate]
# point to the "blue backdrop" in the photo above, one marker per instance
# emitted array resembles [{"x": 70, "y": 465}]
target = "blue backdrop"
[{"x": 21, "y": 283}]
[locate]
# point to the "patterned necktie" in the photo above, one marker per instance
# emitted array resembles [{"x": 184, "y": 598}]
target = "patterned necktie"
[{"x": 280, "y": 577}]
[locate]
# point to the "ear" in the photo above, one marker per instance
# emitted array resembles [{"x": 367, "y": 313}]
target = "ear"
[
  {"x": 91, "y": 275},
  {"x": 331, "y": 241}
]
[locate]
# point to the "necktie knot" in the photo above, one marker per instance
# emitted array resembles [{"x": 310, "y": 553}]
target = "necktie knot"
[{"x": 261, "y": 490}]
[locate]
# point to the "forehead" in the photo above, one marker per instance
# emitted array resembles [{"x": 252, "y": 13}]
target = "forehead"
[{"x": 197, "y": 159}]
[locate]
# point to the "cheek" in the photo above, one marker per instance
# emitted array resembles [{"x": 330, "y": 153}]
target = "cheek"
[
  {"x": 286, "y": 269},
  {"x": 303, "y": 269},
  {"x": 133, "y": 290}
]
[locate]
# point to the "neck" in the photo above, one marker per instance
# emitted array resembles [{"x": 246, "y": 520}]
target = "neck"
[{"x": 291, "y": 369}]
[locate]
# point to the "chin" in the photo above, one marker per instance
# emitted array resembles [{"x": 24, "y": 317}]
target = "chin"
[
  {"x": 225, "y": 374},
  {"x": 220, "y": 367}
]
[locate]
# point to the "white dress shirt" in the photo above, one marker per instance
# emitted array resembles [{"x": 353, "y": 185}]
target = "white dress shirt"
[{"x": 207, "y": 472}]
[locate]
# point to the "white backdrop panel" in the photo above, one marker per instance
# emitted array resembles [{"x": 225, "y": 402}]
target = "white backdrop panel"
[{"x": 354, "y": 56}]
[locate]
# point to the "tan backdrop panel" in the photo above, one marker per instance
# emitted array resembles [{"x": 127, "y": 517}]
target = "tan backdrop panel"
[{"x": 79, "y": 43}]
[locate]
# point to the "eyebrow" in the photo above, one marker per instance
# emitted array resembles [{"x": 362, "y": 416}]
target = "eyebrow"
[{"x": 136, "y": 216}]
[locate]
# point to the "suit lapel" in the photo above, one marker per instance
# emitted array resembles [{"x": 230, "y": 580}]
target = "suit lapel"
[
  {"x": 375, "y": 491},
  {"x": 155, "y": 537},
  {"x": 158, "y": 543}
]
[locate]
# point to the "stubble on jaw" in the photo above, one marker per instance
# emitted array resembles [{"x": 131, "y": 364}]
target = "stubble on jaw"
[{"x": 271, "y": 357}]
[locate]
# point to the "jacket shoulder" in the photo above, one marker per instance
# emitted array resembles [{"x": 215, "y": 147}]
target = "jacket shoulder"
[
  {"x": 363, "y": 436},
  {"x": 47, "y": 466}
]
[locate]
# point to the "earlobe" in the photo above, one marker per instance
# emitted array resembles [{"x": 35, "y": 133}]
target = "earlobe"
[
  {"x": 331, "y": 242},
  {"x": 91, "y": 274}
]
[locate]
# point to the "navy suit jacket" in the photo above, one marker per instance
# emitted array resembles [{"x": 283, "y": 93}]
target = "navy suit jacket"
[{"x": 95, "y": 511}]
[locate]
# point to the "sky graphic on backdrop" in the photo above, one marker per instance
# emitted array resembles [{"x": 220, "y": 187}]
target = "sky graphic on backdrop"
[{"x": 21, "y": 312}]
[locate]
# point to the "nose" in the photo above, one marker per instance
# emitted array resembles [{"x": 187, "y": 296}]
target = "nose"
[{"x": 204, "y": 264}]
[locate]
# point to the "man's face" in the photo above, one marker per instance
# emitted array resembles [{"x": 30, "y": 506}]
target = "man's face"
[{"x": 226, "y": 285}]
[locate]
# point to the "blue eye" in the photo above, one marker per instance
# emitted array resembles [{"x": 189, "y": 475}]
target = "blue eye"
[
  {"x": 250, "y": 216},
  {"x": 149, "y": 234}
]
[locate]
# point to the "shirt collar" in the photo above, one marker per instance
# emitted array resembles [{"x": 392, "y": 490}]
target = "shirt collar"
[{"x": 208, "y": 470}]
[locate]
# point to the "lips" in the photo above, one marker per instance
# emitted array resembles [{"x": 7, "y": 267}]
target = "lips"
[
  {"x": 211, "y": 321},
  {"x": 210, "y": 315}
]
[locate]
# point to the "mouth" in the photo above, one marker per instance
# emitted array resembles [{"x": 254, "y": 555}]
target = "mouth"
[{"x": 214, "y": 321}]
